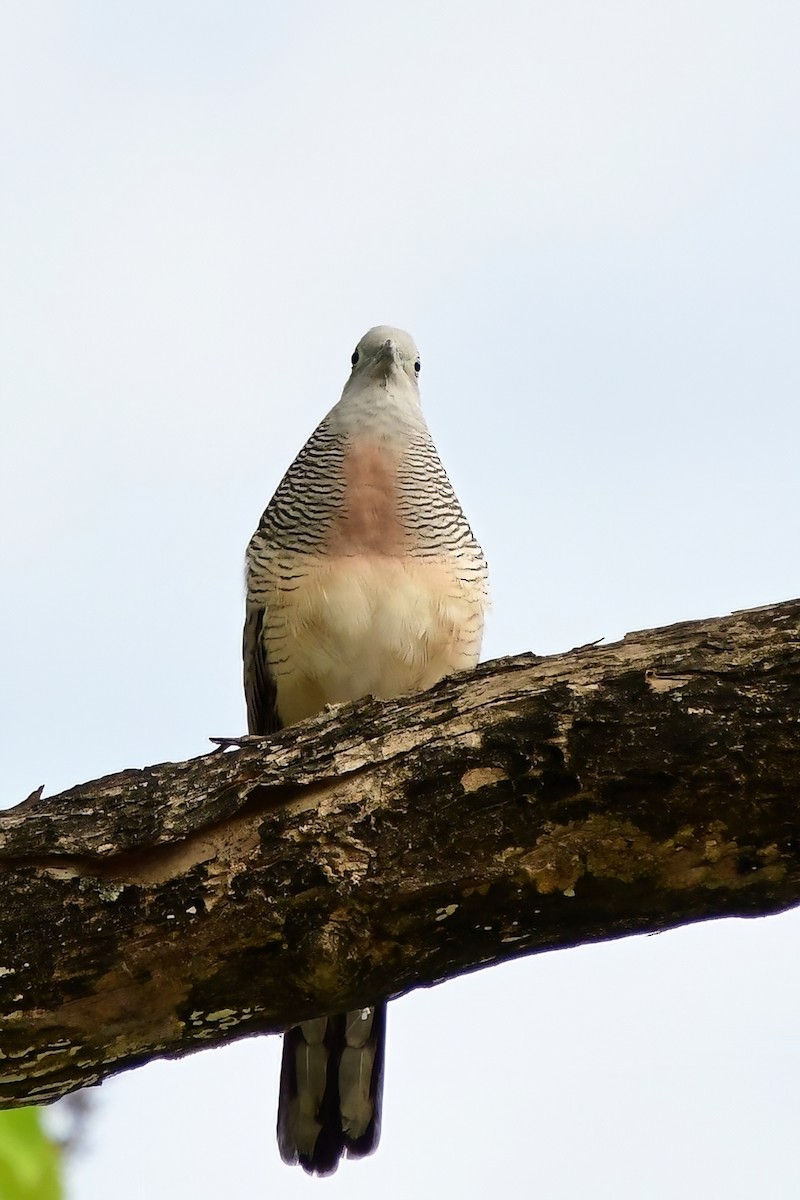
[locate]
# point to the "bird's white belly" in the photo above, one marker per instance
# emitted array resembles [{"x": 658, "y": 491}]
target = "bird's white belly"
[{"x": 369, "y": 625}]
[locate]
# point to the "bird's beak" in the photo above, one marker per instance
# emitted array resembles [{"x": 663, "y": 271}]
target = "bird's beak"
[{"x": 386, "y": 360}]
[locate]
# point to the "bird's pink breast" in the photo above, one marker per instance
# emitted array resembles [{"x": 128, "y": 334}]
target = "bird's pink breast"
[{"x": 368, "y": 521}]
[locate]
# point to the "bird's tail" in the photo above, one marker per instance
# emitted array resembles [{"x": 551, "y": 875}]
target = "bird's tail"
[{"x": 331, "y": 1089}]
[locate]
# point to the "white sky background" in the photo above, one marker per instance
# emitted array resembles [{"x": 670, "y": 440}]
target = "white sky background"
[{"x": 586, "y": 212}]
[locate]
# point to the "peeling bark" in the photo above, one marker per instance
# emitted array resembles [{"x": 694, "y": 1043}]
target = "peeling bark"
[{"x": 532, "y": 804}]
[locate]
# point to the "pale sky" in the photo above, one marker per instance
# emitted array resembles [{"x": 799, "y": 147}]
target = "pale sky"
[{"x": 586, "y": 213}]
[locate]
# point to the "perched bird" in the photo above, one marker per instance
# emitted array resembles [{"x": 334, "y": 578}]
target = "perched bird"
[{"x": 363, "y": 578}]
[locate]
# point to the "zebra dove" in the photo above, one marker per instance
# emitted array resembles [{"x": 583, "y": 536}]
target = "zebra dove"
[{"x": 363, "y": 578}]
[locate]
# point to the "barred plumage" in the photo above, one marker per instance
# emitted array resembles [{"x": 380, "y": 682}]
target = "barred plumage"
[{"x": 363, "y": 577}]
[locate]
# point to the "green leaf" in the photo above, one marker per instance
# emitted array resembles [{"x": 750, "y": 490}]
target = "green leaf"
[{"x": 29, "y": 1160}]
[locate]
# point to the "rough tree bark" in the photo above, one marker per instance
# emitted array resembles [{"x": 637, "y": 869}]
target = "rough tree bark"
[{"x": 535, "y": 803}]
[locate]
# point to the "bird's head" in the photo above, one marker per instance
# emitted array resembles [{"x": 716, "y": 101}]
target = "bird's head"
[{"x": 384, "y": 354}]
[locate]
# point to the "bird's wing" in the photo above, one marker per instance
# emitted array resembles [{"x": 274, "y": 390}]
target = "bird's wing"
[{"x": 259, "y": 683}]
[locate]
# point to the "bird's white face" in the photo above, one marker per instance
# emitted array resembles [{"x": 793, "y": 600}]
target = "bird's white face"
[{"x": 385, "y": 353}]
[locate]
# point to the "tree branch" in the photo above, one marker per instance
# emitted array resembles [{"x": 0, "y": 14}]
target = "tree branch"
[{"x": 532, "y": 804}]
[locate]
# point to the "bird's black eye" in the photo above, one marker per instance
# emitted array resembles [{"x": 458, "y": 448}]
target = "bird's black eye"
[
  {"x": 417, "y": 366},
  {"x": 354, "y": 357}
]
